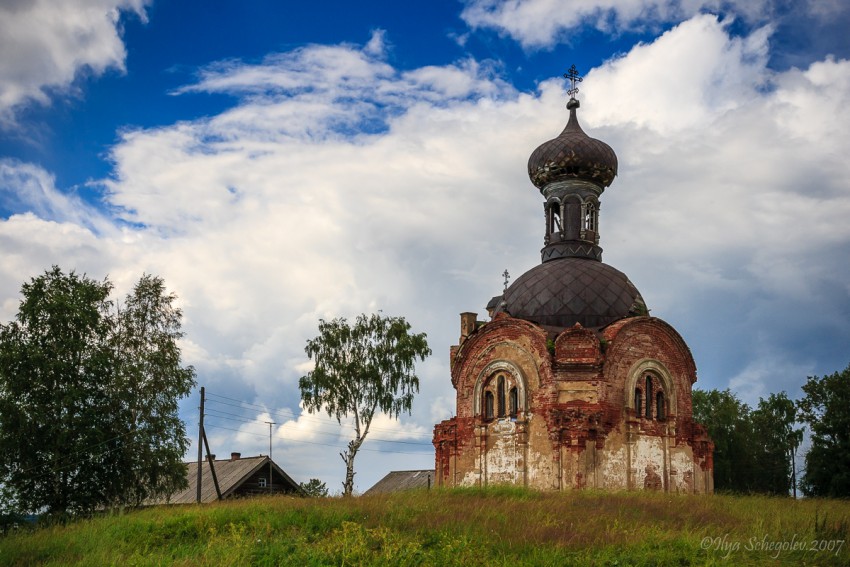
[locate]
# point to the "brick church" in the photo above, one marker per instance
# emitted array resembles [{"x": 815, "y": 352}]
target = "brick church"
[{"x": 571, "y": 384}]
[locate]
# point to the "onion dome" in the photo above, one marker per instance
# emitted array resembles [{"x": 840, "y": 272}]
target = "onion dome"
[
  {"x": 573, "y": 155},
  {"x": 560, "y": 293},
  {"x": 572, "y": 285}
]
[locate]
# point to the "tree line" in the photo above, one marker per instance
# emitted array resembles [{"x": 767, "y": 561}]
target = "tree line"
[
  {"x": 755, "y": 449},
  {"x": 89, "y": 391}
]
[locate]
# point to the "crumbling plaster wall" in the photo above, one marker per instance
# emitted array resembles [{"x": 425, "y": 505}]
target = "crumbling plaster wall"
[{"x": 576, "y": 426}]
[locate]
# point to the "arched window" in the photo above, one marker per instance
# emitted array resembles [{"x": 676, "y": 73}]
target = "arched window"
[
  {"x": 590, "y": 217},
  {"x": 488, "y": 405},
  {"x": 650, "y": 390},
  {"x": 553, "y": 218},
  {"x": 638, "y": 400},
  {"x": 501, "y": 395}
]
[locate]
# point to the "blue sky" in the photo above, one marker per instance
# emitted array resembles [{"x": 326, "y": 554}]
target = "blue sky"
[{"x": 279, "y": 162}]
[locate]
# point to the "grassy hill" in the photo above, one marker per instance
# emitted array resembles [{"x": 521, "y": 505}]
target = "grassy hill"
[{"x": 503, "y": 526}]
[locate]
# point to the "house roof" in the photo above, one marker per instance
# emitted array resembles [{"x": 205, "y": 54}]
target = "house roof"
[
  {"x": 231, "y": 474},
  {"x": 397, "y": 481}
]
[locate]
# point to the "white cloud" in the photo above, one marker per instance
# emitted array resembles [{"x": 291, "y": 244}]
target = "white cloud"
[
  {"x": 46, "y": 44},
  {"x": 29, "y": 188},
  {"x": 734, "y": 197},
  {"x": 825, "y": 9},
  {"x": 542, "y": 23},
  {"x": 684, "y": 80},
  {"x": 407, "y": 192},
  {"x": 31, "y": 245},
  {"x": 318, "y": 427}
]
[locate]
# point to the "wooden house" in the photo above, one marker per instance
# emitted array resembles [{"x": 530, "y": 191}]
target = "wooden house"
[{"x": 237, "y": 477}]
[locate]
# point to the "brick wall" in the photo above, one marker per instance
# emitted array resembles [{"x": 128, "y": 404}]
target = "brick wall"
[{"x": 576, "y": 397}]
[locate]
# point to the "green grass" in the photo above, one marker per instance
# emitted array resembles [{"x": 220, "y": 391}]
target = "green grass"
[{"x": 502, "y": 526}]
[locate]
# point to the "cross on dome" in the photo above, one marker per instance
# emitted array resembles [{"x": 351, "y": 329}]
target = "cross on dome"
[{"x": 574, "y": 77}]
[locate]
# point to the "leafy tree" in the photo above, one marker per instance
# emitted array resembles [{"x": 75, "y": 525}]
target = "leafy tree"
[
  {"x": 826, "y": 409},
  {"x": 148, "y": 383},
  {"x": 776, "y": 443},
  {"x": 753, "y": 449},
  {"x": 361, "y": 369},
  {"x": 54, "y": 409},
  {"x": 727, "y": 420},
  {"x": 315, "y": 488},
  {"x": 88, "y": 396}
]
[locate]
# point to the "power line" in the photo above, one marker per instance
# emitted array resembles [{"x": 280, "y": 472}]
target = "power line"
[
  {"x": 291, "y": 414},
  {"x": 264, "y": 435},
  {"x": 234, "y": 418},
  {"x": 242, "y": 419}
]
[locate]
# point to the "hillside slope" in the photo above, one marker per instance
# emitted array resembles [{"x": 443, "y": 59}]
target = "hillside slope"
[{"x": 457, "y": 527}]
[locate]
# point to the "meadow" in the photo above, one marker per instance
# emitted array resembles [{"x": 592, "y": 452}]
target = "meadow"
[{"x": 497, "y": 526}]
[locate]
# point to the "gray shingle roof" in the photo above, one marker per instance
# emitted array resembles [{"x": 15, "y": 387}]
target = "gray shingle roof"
[
  {"x": 566, "y": 291},
  {"x": 396, "y": 481},
  {"x": 230, "y": 473}
]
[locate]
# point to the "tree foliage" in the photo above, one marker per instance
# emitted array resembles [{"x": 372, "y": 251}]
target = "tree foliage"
[
  {"x": 149, "y": 380},
  {"x": 314, "y": 488},
  {"x": 727, "y": 420},
  {"x": 360, "y": 369},
  {"x": 775, "y": 441},
  {"x": 54, "y": 411},
  {"x": 826, "y": 409},
  {"x": 88, "y": 396},
  {"x": 753, "y": 449}
]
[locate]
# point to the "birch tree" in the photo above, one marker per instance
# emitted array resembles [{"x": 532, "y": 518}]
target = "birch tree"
[
  {"x": 88, "y": 396},
  {"x": 361, "y": 369}
]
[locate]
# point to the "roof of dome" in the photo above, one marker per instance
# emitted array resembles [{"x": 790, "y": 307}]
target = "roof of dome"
[
  {"x": 572, "y": 155},
  {"x": 566, "y": 291}
]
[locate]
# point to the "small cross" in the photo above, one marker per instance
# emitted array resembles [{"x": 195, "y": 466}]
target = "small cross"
[
  {"x": 573, "y": 76},
  {"x": 507, "y": 277}
]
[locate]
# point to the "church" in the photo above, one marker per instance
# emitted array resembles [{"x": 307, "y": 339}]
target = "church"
[{"x": 571, "y": 383}]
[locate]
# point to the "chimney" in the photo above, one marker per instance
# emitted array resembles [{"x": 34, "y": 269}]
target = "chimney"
[
  {"x": 467, "y": 324},
  {"x": 235, "y": 456}
]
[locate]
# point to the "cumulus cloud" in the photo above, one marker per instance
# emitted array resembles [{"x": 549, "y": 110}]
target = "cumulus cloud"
[
  {"x": 318, "y": 427},
  {"x": 406, "y": 191},
  {"x": 542, "y": 23},
  {"x": 683, "y": 80},
  {"x": 46, "y": 44},
  {"x": 740, "y": 192},
  {"x": 44, "y": 226}
]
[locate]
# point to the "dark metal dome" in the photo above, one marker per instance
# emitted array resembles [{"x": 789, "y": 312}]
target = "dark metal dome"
[
  {"x": 566, "y": 291},
  {"x": 572, "y": 155}
]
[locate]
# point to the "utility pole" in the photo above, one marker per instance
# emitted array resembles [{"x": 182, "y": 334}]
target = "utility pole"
[
  {"x": 270, "y": 456},
  {"x": 211, "y": 461},
  {"x": 200, "y": 446}
]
